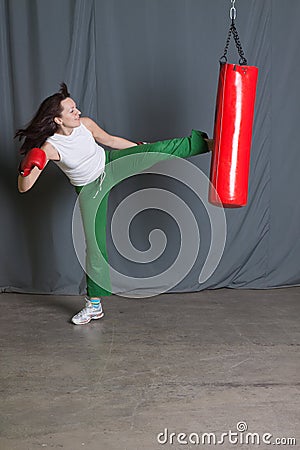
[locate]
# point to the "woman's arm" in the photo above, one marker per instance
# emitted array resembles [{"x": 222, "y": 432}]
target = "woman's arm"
[
  {"x": 104, "y": 138},
  {"x": 26, "y": 183},
  {"x": 116, "y": 142}
]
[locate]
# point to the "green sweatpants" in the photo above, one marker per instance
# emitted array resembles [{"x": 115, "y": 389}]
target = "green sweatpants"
[{"x": 93, "y": 207}]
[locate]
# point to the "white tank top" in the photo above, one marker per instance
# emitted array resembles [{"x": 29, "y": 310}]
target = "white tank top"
[{"x": 81, "y": 158}]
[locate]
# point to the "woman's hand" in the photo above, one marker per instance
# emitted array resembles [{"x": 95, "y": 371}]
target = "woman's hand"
[{"x": 32, "y": 167}]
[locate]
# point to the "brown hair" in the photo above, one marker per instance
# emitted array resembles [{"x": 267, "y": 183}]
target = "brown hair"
[{"x": 42, "y": 125}]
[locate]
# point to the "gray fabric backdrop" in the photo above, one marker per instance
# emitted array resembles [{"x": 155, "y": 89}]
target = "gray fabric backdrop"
[{"x": 148, "y": 70}]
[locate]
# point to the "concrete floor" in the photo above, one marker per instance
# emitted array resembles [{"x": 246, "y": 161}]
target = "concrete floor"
[{"x": 192, "y": 363}]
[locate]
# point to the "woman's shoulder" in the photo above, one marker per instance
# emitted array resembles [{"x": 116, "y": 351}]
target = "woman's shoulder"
[
  {"x": 87, "y": 122},
  {"x": 50, "y": 151}
]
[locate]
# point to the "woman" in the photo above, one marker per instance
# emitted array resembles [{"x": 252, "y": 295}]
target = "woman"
[{"x": 58, "y": 133}]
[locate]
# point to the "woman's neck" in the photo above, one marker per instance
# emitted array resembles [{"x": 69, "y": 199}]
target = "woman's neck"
[{"x": 65, "y": 131}]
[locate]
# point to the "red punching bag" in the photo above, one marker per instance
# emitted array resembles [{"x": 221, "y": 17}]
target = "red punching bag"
[{"x": 233, "y": 130}]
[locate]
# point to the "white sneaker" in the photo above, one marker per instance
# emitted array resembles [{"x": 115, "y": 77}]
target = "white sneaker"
[{"x": 88, "y": 313}]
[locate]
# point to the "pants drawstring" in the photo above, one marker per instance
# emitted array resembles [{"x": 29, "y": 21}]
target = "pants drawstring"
[{"x": 100, "y": 179}]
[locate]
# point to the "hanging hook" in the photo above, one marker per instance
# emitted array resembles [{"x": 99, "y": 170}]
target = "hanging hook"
[{"x": 232, "y": 12}]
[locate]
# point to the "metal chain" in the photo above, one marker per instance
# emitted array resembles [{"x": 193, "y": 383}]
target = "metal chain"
[
  {"x": 243, "y": 60},
  {"x": 234, "y": 33}
]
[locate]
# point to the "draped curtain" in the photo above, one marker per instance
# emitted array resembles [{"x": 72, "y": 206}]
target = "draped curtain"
[{"x": 147, "y": 70}]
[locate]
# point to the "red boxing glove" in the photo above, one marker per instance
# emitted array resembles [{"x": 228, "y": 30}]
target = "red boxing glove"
[{"x": 35, "y": 157}]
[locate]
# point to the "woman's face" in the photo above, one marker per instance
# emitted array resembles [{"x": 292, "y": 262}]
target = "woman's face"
[{"x": 70, "y": 115}]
